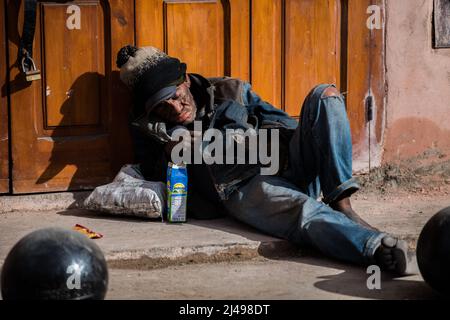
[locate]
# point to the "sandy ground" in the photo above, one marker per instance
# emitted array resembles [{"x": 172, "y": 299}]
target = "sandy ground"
[
  {"x": 295, "y": 278},
  {"x": 400, "y": 198},
  {"x": 306, "y": 276},
  {"x": 310, "y": 276},
  {"x": 401, "y": 213},
  {"x": 397, "y": 199}
]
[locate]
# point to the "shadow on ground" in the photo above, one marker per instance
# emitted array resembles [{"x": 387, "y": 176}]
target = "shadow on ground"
[{"x": 352, "y": 281}]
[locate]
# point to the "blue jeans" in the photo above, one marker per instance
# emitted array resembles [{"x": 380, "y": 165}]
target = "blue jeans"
[{"x": 320, "y": 161}]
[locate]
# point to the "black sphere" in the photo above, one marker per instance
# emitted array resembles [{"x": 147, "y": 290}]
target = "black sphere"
[
  {"x": 124, "y": 54},
  {"x": 433, "y": 252},
  {"x": 54, "y": 264}
]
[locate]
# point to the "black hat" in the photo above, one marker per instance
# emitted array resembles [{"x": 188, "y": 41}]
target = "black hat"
[{"x": 152, "y": 75}]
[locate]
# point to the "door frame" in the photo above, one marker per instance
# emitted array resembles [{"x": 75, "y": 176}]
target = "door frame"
[
  {"x": 366, "y": 77},
  {"x": 4, "y": 111}
]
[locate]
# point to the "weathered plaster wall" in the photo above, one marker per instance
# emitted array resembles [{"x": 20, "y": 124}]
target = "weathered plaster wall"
[{"x": 418, "y": 79}]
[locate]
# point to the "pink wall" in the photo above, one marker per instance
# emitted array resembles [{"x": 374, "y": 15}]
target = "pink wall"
[{"x": 418, "y": 79}]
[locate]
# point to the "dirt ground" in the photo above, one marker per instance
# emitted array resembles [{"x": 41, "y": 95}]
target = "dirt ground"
[
  {"x": 400, "y": 208},
  {"x": 401, "y": 197},
  {"x": 426, "y": 174},
  {"x": 306, "y": 277},
  {"x": 397, "y": 198}
]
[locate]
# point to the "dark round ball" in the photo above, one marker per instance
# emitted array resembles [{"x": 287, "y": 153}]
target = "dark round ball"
[
  {"x": 433, "y": 252},
  {"x": 54, "y": 264},
  {"x": 124, "y": 54}
]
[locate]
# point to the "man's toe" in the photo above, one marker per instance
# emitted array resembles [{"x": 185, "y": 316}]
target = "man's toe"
[{"x": 389, "y": 242}]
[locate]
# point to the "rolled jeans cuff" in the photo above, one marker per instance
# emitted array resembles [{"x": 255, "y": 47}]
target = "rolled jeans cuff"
[
  {"x": 349, "y": 185},
  {"x": 372, "y": 244}
]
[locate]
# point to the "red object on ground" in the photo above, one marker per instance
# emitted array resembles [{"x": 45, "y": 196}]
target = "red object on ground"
[{"x": 89, "y": 233}]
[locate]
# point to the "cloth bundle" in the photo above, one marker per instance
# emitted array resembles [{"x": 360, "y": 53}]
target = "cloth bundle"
[{"x": 130, "y": 195}]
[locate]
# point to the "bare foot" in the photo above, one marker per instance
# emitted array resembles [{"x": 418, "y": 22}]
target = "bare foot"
[
  {"x": 393, "y": 256},
  {"x": 344, "y": 205}
]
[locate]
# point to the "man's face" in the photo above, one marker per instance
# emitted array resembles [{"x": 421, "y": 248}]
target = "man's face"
[{"x": 180, "y": 109}]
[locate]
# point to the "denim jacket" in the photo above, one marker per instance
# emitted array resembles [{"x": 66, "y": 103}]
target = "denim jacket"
[{"x": 228, "y": 103}]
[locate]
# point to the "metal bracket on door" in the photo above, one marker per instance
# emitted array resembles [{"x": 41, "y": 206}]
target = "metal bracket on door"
[
  {"x": 369, "y": 108},
  {"x": 25, "y": 56}
]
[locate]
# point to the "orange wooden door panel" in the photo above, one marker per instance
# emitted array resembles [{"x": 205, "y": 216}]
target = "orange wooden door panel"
[
  {"x": 74, "y": 65},
  {"x": 211, "y": 36},
  {"x": 240, "y": 35},
  {"x": 312, "y": 48},
  {"x": 203, "y": 48},
  {"x": 266, "y": 52},
  {"x": 359, "y": 69},
  {"x": 4, "y": 138},
  {"x": 365, "y": 76},
  {"x": 64, "y": 127},
  {"x": 295, "y": 46}
]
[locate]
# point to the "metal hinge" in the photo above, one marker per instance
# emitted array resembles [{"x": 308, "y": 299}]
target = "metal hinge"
[{"x": 369, "y": 108}]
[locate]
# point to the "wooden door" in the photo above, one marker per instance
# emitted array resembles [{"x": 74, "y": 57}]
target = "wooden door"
[
  {"x": 297, "y": 44},
  {"x": 283, "y": 47},
  {"x": 4, "y": 137},
  {"x": 365, "y": 77},
  {"x": 211, "y": 36},
  {"x": 69, "y": 129}
]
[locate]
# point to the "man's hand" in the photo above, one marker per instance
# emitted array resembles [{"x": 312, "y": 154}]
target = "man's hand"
[{"x": 187, "y": 143}]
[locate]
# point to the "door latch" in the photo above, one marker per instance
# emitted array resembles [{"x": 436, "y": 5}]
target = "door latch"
[{"x": 369, "y": 108}]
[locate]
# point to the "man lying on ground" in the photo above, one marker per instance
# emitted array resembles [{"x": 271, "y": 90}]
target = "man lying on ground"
[{"x": 314, "y": 157}]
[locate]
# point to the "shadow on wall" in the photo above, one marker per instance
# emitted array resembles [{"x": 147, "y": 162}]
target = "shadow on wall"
[
  {"x": 89, "y": 153},
  {"x": 19, "y": 82},
  {"x": 411, "y": 136},
  {"x": 95, "y": 152},
  {"x": 62, "y": 155}
]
